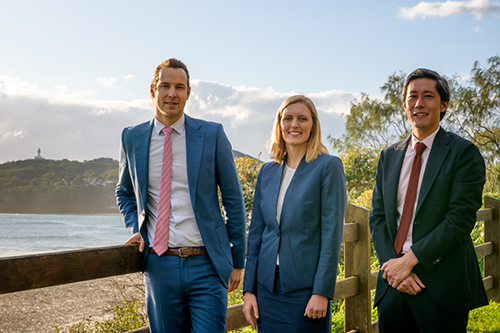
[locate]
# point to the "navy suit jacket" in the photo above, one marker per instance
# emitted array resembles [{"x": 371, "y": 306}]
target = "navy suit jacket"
[
  {"x": 450, "y": 195},
  {"x": 309, "y": 235},
  {"x": 210, "y": 165}
]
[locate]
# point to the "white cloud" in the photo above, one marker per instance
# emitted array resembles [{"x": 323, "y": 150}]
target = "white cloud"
[
  {"x": 75, "y": 125},
  {"x": 128, "y": 77},
  {"x": 13, "y": 134},
  {"x": 477, "y": 29},
  {"x": 478, "y": 8},
  {"x": 107, "y": 82}
]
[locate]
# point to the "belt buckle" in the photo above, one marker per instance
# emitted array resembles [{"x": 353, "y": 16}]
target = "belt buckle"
[{"x": 188, "y": 254}]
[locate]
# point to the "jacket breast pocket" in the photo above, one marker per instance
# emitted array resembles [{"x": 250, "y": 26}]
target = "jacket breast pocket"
[{"x": 440, "y": 191}]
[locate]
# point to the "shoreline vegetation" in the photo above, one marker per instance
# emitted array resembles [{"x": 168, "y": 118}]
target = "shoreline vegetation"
[{"x": 40, "y": 186}]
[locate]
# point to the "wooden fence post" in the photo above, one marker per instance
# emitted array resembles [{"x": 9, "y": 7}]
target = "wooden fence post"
[
  {"x": 357, "y": 257},
  {"x": 492, "y": 234}
]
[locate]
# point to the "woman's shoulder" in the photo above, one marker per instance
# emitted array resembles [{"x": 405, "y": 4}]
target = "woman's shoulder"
[
  {"x": 325, "y": 159},
  {"x": 269, "y": 166}
]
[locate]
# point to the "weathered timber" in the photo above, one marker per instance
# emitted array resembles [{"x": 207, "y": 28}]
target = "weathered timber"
[
  {"x": 235, "y": 318},
  {"x": 484, "y": 249},
  {"x": 347, "y": 287},
  {"x": 492, "y": 234},
  {"x": 45, "y": 270},
  {"x": 350, "y": 233},
  {"x": 140, "y": 330},
  {"x": 357, "y": 258},
  {"x": 485, "y": 214}
]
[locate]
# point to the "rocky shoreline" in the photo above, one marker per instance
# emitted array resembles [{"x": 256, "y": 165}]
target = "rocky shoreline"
[{"x": 41, "y": 310}]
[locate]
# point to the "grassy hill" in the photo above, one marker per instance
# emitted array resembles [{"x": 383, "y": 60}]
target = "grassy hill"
[{"x": 58, "y": 187}]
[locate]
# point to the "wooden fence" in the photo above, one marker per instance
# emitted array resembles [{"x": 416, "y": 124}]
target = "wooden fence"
[{"x": 45, "y": 270}]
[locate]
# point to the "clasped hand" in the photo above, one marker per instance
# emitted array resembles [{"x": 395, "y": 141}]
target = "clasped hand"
[{"x": 399, "y": 275}]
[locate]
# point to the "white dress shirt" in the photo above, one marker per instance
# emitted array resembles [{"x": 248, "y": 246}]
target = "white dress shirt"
[
  {"x": 285, "y": 182},
  {"x": 183, "y": 230},
  {"x": 404, "y": 178}
]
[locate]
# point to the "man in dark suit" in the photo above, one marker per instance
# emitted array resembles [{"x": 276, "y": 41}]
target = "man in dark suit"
[
  {"x": 430, "y": 278},
  {"x": 170, "y": 171}
]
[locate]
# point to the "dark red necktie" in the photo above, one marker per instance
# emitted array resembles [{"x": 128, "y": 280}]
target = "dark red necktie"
[{"x": 411, "y": 192}]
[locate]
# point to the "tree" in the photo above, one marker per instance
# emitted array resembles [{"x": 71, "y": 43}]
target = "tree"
[
  {"x": 372, "y": 123},
  {"x": 474, "y": 113},
  {"x": 360, "y": 166},
  {"x": 48, "y": 179},
  {"x": 248, "y": 170}
]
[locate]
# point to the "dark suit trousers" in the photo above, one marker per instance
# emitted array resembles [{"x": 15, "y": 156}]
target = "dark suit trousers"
[
  {"x": 400, "y": 312},
  {"x": 184, "y": 295}
]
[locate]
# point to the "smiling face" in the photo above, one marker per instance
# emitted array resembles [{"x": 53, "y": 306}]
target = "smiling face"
[
  {"x": 423, "y": 107},
  {"x": 296, "y": 126},
  {"x": 170, "y": 95}
]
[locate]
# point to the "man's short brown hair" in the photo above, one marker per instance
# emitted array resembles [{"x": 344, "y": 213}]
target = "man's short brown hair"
[{"x": 169, "y": 63}]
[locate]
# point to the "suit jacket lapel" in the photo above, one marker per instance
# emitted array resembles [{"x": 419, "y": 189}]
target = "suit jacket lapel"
[
  {"x": 275, "y": 188},
  {"x": 437, "y": 156},
  {"x": 194, "y": 152},
  {"x": 394, "y": 162}
]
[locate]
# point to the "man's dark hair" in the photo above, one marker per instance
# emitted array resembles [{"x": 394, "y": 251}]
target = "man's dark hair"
[{"x": 441, "y": 84}]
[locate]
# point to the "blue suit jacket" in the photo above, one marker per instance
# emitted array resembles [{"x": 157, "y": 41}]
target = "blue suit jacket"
[
  {"x": 210, "y": 165},
  {"x": 450, "y": 195},
  {"x": 309, "y": 235}
]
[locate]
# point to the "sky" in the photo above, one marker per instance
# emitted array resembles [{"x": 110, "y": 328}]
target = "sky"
[{"x": 73, "y": 74}]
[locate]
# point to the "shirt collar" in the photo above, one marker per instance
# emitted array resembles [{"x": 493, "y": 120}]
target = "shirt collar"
[
  {"x": 428, "y": 141},
  {"x": 178, "y": 126}
]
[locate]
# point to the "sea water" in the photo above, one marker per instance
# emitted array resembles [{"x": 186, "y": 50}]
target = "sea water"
[{"x": 24, "y": 234}]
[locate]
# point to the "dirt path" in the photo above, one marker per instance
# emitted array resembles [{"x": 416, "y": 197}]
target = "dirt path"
[{"x": 40, "y": 310}]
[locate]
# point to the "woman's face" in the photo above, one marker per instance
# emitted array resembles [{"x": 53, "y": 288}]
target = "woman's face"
[{"x": 296, "y": 125}]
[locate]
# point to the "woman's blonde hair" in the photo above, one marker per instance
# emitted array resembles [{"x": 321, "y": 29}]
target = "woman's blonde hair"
[{"x": 276, "y": 145}]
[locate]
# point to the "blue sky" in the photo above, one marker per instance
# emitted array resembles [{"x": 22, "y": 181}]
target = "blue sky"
[{"x": 74, "y": 73}]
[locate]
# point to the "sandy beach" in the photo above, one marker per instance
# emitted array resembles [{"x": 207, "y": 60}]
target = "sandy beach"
[{"x": 40, "y": 310}]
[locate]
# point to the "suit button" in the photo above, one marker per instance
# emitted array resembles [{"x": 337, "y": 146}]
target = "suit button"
[
  {"x": 143, "y": 214},
  {"x": 278, "y": 234},
  {"x": 437, "y": 260}
]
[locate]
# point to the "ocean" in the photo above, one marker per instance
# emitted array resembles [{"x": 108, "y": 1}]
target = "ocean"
[{"x": 23, "y": 234}]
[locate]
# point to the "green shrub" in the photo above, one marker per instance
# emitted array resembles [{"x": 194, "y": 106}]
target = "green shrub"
[{"x": 127, "y": 316}]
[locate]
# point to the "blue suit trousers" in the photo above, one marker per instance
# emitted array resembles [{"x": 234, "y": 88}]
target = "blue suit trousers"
[{"x": 184, "y": 295}]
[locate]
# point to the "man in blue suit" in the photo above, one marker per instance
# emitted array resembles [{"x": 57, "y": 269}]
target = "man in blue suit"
[
  {"x": 186, "y": 286},
  {"x": 430, "y": 278}
]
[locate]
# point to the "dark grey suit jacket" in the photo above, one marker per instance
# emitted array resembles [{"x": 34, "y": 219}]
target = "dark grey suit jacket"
[{"x": 450, "y": 195}]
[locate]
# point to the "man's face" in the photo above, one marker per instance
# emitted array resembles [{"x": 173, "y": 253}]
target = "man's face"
[
  {"x": 423, "y": 107},
  {"x": 170, "y": 95}
]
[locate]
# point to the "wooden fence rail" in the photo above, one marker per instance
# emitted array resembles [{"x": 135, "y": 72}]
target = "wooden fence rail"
[{"x": 45, "y": 270}]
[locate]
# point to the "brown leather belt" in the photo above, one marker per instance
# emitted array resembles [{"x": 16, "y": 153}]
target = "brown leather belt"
[{"x": 183, "y": 251}]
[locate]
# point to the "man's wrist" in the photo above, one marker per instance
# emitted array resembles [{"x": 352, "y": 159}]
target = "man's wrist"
[{"x": 410, "y": 258}]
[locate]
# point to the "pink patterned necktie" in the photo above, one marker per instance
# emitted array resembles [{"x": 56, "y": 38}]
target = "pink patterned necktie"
[
  {"x": 160, "y": 243},
  {"x": 411, "y": 193}
]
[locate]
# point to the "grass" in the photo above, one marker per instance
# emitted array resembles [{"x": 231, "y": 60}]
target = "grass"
[
  {"x": 128, "y": 316},
  {"x": 485, "y": 319}
]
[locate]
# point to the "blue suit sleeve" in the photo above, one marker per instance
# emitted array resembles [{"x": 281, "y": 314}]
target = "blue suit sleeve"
[
  {"x": 125, "y": 195},
  {"x": 232, "y": 198},
  {"x": 333, "y": 205},
  {"x": 254, "y": 241}
]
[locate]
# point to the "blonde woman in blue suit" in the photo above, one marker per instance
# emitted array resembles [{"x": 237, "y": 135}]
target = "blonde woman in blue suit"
[{"x": 296, "y": 228}]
